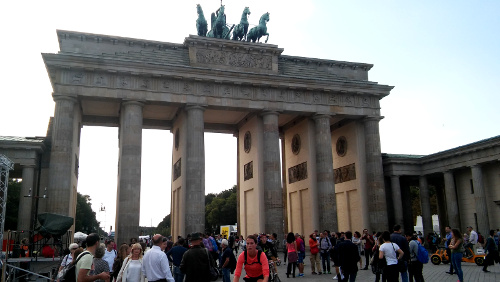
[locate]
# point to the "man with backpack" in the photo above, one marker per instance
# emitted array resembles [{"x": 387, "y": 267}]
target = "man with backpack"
[
  {"x": 418, "y": 256},
  {"x": 228, "y": 261},
  {"x": 85, "y": 261}
]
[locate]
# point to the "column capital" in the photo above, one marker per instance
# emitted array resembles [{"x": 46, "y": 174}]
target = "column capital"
[
  {"x": 132, "y": 102},
  {"x": 60, "y": 97},
  {"x": 269, "y": 112},
  {"x": 373, "y": 118},
  {"x": 476, "y": 166},
  {"x": 395, "y": 176},
  {"x": 195, "y": 106},
  {"x": 28, "y": 165}
]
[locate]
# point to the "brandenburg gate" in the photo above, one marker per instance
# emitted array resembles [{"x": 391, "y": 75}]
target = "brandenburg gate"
[{"x": 325, "y": 113}]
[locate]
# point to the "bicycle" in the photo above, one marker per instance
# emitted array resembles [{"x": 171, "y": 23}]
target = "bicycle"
[{"x": 273, "y": 275}]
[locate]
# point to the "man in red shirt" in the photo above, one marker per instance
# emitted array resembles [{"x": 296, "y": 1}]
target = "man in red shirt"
[
  {"x": 301, "y": 251},
  {"x": 369, "y": 243}
]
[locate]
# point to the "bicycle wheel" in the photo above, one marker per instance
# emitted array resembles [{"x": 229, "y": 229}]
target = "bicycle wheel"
[{"x": 276, "y": 278}]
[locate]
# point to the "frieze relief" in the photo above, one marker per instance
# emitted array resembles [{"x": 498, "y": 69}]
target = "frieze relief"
[
  {"x": 345, "y": 173},
  {"x": 177, "y": 169},
  {"x": 100, "y": 80},
  {"x": 297, "y": 173},
  {"x": 241, "y": 60},
  {"x": 248, "y": 171}
]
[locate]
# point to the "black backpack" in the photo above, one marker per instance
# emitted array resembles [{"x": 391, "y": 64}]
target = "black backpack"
[
  {"x": 258, "y": 257},
  {"x": 70, "y": 274}
]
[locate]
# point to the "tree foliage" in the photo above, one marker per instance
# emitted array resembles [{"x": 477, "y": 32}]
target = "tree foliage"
[
  {"x": 415, "y": 201},
  {"x": 220, "y": 209},
  {"x": 13, "y": 194},
  {"x": 85, "y": 219}
]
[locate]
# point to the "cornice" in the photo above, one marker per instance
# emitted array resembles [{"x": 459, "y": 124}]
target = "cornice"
[
  {"x": 112, "y": 40},
  {"x": 325, "y": 62},
  {"x": 94, "y": 63}
]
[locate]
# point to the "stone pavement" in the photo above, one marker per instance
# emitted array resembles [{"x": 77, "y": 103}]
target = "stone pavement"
[{"x": 472, "y": 273}]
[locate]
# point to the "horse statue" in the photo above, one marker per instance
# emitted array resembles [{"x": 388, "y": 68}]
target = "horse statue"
[
  {"x": 219, "y": 28},
  {"x": 201, "y": 23},
  {"x": 257, "y": 32},
  {"x": 240, "y": 31}
]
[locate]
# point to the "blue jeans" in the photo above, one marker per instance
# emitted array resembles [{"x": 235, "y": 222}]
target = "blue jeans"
[
  {"x": 404, "y": 275},
  {"x": 226, "y": 275},
  {"x": 325, "y": 257},
  {"x": 456, "y": 260},
  {"x": 178, "y": 275}
]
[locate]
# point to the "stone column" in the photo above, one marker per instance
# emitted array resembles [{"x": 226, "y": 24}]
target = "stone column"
[
  {"x": 25, "y": 203},
  {"x": 425, "y": 205},
  {"x": 61, "y": 198},
  {"x": 483, "y": 221},
  {"x": 451, "y": 200},
  {"x": 273, "y": 193},
  {"x": 326, "y": 197},
  {"x": 195, "y": 170},
  {"x": 129, "y": 172},
  {"x": 375, "y": 176},
  {"x": 397, "y": 200}
]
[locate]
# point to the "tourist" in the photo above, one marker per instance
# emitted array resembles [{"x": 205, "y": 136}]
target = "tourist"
[
  {"x": 66, "y": 261},
  {"x": 292, "y": 254},
  {"x": 325, "y": 245},
  {"x": 392, "y": 253},
  {"x": 110, "y": 254},
  {"x": 400, "y": 240},
  {"x": 155, "y": 263},
  {"x": 491, "y": 250},
  {"x": 314, "y": 257},
  {"x": 473, "y": 237},
  {"x": 415, "y": 267},
  {"x": 85, "y": 261},
  {"x": 228, "y": 261},
  {"x": 349, "y": 257},
  {"x": 268, "y": 248},
  {"x": 100, "y": 265},
  {"x": 256, "y": 268},
  {"x": 131, "y": 270},
  {"x": 447, "y": 242},
  {"x": 369, "y": 244},
  {"x": 301, "y": 252},
  {"x": 118, "y": 262},
  {"x": 356, "y": 240},
  {"x": 376, "y": 262},
  {"x": 457, "y": 250},
  {"x": 175, "y": 257},
  {"x": 196, "y": 261}
]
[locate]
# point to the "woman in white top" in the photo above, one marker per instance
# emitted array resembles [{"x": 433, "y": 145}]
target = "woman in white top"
[
  {"x": 132, "y": 265},
  {"x": 392, "y": 253},
  {"x": 356, "y": 240}
]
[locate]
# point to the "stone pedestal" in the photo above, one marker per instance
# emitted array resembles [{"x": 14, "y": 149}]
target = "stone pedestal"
[
  {"x": 451, "y": 200},
  {"x": 129, "y": 172},
  {"x": 63, "y": 171},
  {"x": 397, "y": 200},
  {"x": 25, "y": 203},
  {"x": 374, "y": 175},
  {"x": 425, "y": 204},
  {"x": 273, "y": 201},
  {"x": 326, "y": 198},
  {"x": 195, "y": 170},
  {"x": 483, "y": 221}
]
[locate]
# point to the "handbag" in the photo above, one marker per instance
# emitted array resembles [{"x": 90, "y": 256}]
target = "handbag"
[
  {"x": 292, "y": 256},
  {"x": 214, "y": 272}
]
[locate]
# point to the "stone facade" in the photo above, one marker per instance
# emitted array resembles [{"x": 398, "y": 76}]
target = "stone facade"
[{"x": 466, "y": 182}]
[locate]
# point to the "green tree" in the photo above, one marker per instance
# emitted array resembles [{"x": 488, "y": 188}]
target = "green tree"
[
  {"x": 163, "y": 227},
  {"x": 220, "y": 209},
  {"x": 85, "y": 219},
  {"x": 415, "y": 201}
]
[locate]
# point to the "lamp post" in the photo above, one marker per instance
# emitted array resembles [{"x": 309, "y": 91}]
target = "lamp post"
[
  {"x": 35, "y": 213},
  {"x": 102, "y": 209}
]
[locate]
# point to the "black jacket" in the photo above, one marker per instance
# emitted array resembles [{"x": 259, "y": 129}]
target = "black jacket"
[
  {"x": 348, "y": 256},
  {"x": 196, "y": 265},
  {"x": 403, "y": 244}
]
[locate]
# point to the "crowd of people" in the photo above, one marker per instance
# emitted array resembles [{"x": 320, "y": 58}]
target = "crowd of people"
[{"x": 198, "y": 257}]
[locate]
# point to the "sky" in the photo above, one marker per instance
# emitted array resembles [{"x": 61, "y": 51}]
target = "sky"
[{"x": 443, "y": 57}]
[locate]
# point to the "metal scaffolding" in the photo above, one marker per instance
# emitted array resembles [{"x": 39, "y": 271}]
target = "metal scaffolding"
[{"x": 6, "y": 165}]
